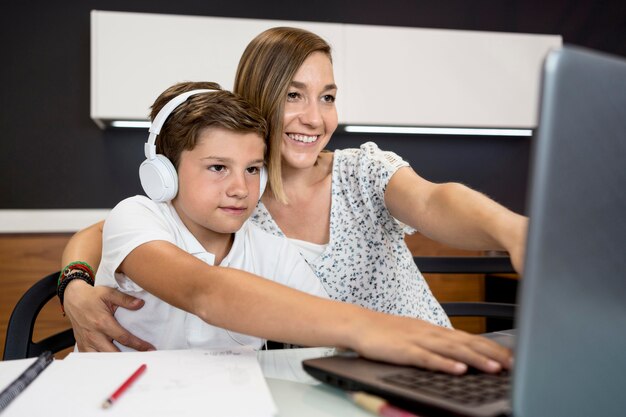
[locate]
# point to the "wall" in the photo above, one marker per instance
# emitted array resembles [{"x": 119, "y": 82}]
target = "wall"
[{"x": 54, "y": 156}]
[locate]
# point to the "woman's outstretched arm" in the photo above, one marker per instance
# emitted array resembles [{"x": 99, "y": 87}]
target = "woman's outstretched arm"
[{"x": 456, "y": 215}]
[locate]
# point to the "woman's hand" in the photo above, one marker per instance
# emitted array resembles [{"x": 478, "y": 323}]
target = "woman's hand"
[
  {"x": 91, "y": 309},
  {"x": 407, "y": 341}
]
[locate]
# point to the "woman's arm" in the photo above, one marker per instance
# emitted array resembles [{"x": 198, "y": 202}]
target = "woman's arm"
[
  {"x": 85, "y": 245},
  {"x": 246, "y": 303},
  {"x": 456, "y": 215},
  {"x": 90, "y": 309}
]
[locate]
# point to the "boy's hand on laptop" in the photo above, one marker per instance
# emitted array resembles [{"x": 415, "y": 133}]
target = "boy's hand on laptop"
[
  {"x": 94, "y": 324},
  {"x": 407, "y": 341}
]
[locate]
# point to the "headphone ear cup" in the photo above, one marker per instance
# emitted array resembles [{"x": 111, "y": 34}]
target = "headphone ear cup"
[
  {"x": 262, "y": 181},
  {"x": 159, "y": 179}
]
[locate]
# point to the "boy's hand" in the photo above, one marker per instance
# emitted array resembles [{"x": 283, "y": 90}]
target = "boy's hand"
[
  {"x": 91, "y": 309},
  {"x": 407, "y": 341}
]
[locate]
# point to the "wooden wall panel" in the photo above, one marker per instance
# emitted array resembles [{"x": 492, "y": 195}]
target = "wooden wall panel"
[
  {"x": 448, "y": 287},
  {"x": 24, "y": 259}
]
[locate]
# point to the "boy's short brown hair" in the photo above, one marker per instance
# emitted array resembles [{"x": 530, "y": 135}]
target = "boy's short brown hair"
[{"x": 218, "y": 108}]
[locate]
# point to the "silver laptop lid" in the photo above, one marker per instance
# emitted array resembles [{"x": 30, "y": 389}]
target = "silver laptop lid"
[{"x": 571, "y": 351}]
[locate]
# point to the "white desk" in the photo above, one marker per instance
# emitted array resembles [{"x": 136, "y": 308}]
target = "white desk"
[
  {"x": 295, "y": 393},
  {"x": 239, "y": 381}
]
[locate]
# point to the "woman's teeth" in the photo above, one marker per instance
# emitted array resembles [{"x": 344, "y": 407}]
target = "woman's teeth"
[{"x": 303, "y": 138}]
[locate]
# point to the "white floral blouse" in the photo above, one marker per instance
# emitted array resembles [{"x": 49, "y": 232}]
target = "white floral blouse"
[{"x": 366, "y": 261}]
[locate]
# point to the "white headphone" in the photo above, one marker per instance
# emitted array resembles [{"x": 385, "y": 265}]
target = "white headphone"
[{"x": 157, "y": 173}]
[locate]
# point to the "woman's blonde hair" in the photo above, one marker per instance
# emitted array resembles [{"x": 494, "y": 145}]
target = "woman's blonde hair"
[{"x": 265, "y": 72}]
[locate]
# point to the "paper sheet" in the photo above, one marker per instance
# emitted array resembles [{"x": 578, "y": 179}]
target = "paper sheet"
[
  {"x": 180, "y": 383},
  {"x": 9, "y": 370}
]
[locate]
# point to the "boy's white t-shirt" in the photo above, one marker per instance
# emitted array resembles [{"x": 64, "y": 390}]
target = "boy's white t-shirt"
[{"x": 137, "y": 220}]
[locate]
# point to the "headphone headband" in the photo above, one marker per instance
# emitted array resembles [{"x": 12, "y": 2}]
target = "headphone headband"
[{"x": 161, "y": 117}]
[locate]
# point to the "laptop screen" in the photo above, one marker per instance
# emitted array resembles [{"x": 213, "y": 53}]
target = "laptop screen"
[{"x": 571, "y": 348}]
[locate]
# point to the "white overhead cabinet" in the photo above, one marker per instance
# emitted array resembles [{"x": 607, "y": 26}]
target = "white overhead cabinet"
[{"x": 390, "y": 76}]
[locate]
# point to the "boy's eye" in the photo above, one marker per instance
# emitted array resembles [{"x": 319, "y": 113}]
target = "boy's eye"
[
  {"x": 217, "y": 168},
  {"x": 328, "y": 98}
]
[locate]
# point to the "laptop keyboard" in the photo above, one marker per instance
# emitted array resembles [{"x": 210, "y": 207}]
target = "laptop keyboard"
[{"x": 473, "y": 388}]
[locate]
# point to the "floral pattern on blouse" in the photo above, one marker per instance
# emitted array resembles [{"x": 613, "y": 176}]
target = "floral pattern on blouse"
[{"x": 366, "y": 261}]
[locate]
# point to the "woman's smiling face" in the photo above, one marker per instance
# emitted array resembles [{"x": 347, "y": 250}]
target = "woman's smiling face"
[{"x": 310, "y": 113}]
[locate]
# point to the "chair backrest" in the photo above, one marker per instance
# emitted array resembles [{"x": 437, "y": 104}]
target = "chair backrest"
[
  {"x": 464, "y": 264},
  {"x": 19, "y": 340}
]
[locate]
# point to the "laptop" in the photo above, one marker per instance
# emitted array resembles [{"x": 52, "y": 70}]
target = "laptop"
[{"x": 570, "y": 348}]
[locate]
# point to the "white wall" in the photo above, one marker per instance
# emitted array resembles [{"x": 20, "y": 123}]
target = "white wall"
[{"x": 49, "y": 221}]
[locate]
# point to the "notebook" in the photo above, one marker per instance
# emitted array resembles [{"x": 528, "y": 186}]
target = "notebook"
[
  {"x": 570, "y": 350},
  {"x": 176, "y": 383}
]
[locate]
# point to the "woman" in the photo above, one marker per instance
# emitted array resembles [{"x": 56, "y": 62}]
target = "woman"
[{"x": 346, "y": 211}]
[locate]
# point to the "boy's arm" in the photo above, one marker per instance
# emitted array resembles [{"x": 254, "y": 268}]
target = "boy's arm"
[
  {"x": 90, "y": 309},
  {"x": 248, "y": 304}
]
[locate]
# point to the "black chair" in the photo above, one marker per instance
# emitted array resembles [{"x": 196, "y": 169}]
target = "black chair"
[
  {"x": 19, "y": 341},
  {"x": 470, "y": 265}
]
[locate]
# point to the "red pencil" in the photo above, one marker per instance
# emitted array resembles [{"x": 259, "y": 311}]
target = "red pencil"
[{"x": 118, "y": 392}]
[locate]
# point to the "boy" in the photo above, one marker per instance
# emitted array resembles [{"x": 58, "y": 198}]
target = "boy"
[{"x": 215, "y": 142}]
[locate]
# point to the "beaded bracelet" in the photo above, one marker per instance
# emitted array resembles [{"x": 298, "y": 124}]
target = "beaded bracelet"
[
  {"x": 77, "y": 274},
  {"x": 73, "y": 266},
  {"x": 74, "y": 270}
]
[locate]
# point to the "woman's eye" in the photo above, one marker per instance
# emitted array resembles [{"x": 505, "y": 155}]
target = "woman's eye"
[
  {"x": 328, "y": 98},
  {"x": 253, "y": 170},
  {"x": 293, "y": 96},
  {"x": 217, "y": 168}
]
